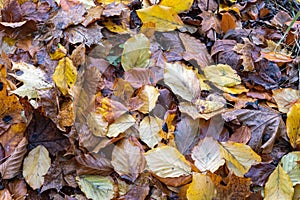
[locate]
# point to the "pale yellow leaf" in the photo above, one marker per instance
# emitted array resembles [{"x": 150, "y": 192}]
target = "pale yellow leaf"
[
  {"x": 291, "y": 165},
  {"x": 201, "y": 187},
  {"x": 149, "y": 96},
  {"x": 207, "y": 155},
  {"x": 120, "y": 125},
  {"x": 165, "y": 18},
  {"x": 222, "y": 75},
  {"x": 166, "y": 161},
  {"x": 65, "y": 75},
  {"x": 239, "y": 157},
  {"x": 149, "y": 131},
  {"x": 285, "y": 97},
  {"x": 97, "y": 124},
  {"x": 237, "y": 89},
  {"x": 96, "y": 187},
  {"x": 182, "y": 80},
  {"x": 279, "y": 185},
  {"x": 293, "y": 125},
  {"x": 35, "y": 166},
  {"x": 136, "y": 53},
  {"x": 178, "y": 5}
]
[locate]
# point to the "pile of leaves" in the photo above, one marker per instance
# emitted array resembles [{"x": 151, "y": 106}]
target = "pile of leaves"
[{"x": 107, "y": 99}]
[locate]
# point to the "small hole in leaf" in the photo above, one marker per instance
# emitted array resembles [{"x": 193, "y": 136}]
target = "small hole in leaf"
[
  {"x": 19, "y": 72},
  {"x": 1, "y": 86},
  {"x": 6, "y": 118}
]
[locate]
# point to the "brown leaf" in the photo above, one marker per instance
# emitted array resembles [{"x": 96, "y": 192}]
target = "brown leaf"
[
  {"x": 227, "y": 22},
  {"x": 11, "y": 166},
  {"x": 18, "y": 189},
  {"x": 241, "y": 135}
]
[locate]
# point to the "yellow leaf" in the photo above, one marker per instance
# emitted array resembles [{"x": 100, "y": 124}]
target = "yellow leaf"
[
  {"x": 149, "y": 131},
  {"x": 222, "y": 75},
  {"x": 136, "y": 53},
  {"x": 279, "y": 185},
  {"x": 207, "y": 156},
  {"x": 285, "y": 98},
  {"x": 239, "y": 157},
  {"x": 201, "y": 187},
  {"x": 293, "y": 124},
  {"x": 149, "y": 96},
  {"x": 35, "y": 166},
  {"x": 120, "y": 125},
  {"x": 165, "y": 18},
  {"x": 59, "y": 52},
  {"x": 237, "y": 89},
  {"x": 291, "y": 165},
  {"x": 115, "y": 28},
  {"x": 97, "y": 124},
  {"x": 178, "y": 5},
  {"x": 66, "y": 115},
  {"x": 166, "y": 161},
  {"x": 65, "y": 75},
  {"x": 211, "y": 104},
  {"x": 182, "y": 80}
]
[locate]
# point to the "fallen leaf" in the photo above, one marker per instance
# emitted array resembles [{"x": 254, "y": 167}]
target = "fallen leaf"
[
  {"x": 97, "y": 124},
  {"x": 277, "y": 57},
  {"x": 96, "y": 187},
  {"x": 279, "y": 185},
  {"x": 120, "y": 125},
  {"x": 5, "y": 194},
  {"x": 285, "y": 98},
  {"x": 293, "y": 125},
  {"x": 35, "y": 166},
  {"x": 18, "y": 189},
  {"x": 290, "y": 164},
  {"x": 178, "y": 5},
  {"x": 227, "y": 22},
  {"x": 166, "y": 161},
  {"x": 165, "y": 18},
  {"x": 136, "y": 52},
  {"x": 65, "y": 75},
  {"x": 207, "y": 155},
  {"x": 148, "y": 95},
  {"x": 201, "y": 188},
  {"x": 182, "y": 80},
  {"x": 149, "y": 131}
]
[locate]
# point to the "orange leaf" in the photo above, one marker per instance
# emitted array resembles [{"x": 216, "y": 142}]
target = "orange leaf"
[
  {"x": 277, "y": 57},
  {"x": 228, "y": 22}
]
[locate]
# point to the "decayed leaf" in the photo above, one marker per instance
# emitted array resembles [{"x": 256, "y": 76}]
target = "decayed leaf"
[
  {"x": 246, "y": 49},
  {"x": 196, "y": 50},
  {"x": 65, "y": 75},
  {"x": 34, "y": 79},
  {"x": 239, "y": 157},
  {"x": 136, "y": 53},
  {"x": 120, "y": 125},
  {"x": 66, "y": 115},
  {"x": 182, "y": 81},
  {"x": 166, "y": 161},
  {"x": 293, "y": 125},
  {"x": 201, "y": 188},
  {"x": 186, "y": 133},
  {"x": 35, "y": 166},
  {"x": 96, "y": 187},
  {"x": 285, "y": 98},
  {"x": 149, "y": 96},
  {"x": 279, "y": 185},
  {"x": 178, "y": 5},
  {"x": 207, "y": 155},
  {"x": 291, "y": 165},
  {"x": 222, "y": 75},
  {"x": 165, "y": 18},
  {"x": 128, "y": 160},
  {"x": 11, "y": 166},
  {"x": 149, "y": 131}
]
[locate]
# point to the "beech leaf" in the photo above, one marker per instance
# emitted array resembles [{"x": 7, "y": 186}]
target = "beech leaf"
[
  {"x": 178, "y": 5},
  {"x": 149, "y": 96},
  {"x": 201, "y": 187},
  {"x": 149, "y": 131},
  {"x": 293, "y": 124},
  {"x": 291, "y": 165},
  {"x": 120, "y": 125}
]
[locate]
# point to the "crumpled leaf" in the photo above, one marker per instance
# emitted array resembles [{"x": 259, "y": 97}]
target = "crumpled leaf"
[
  {"x": 65, "y": 75},
  {"x": 165, "y": 18},
  {"x": 201, "y": 187},
  {"x": 285, "y": 97},
  {"x": 149, "y": 96},
  {"x": 222, "y": 75},
  {"x": 149, "y": 131},
  {"x": 293, "y": 125},
  {"x": 178, "y": 5},
  {"x": 34, "y": 79},
  {"x": 279, "y": 185},
  {"x": 207, "y": 155},
  {"x": 35, "y": 166},
  {"x": 136, "y": 53},
  {"x": 120, "y": 125},
  {"x": 11, "y": 166},
  {"x": 166, "y": 161},
  {"x": 96, "y": 187},
  {"x": 128, "y": 160},
  {"x": 182, "y": 81},
  {"x": 239, "y": 157},
  {"x": 291, "y": 165}
]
